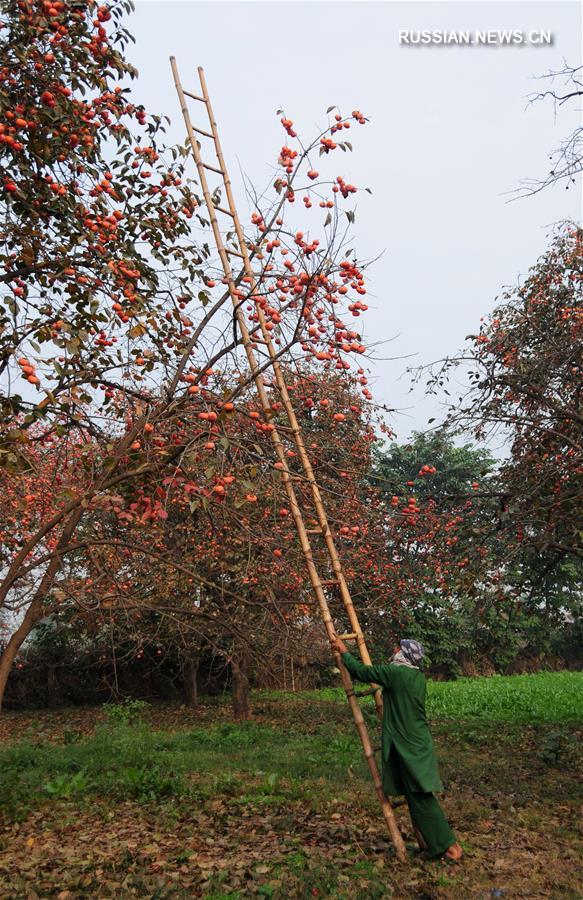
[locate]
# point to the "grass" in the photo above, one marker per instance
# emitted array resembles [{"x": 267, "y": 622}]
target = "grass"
[
  {"x": 134, "y": 762},
  {"x": 549, "y": 697},
  {"x": 546, "y": 697},
  {"x": 163, "y": 802}
]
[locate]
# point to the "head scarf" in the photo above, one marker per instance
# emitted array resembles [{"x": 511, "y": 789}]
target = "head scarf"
[
  {"x": 412, "y": 651},
  {"x": 400, "y": 660}
]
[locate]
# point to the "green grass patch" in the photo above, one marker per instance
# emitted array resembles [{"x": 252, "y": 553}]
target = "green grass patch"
[
  {"x": 130, "y": 761},
  {"x": 546, "y": 697},
  {"x": 542, "y": 698}
]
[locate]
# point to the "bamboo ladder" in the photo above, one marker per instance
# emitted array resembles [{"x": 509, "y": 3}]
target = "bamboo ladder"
[{"x": 304, "y": 533}]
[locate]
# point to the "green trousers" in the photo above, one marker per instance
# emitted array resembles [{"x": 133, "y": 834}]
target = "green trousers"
[{"x": 426, "y": 814}]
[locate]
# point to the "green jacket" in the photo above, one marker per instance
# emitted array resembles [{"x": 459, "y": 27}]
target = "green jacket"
[{"x": 404, "y": 727}]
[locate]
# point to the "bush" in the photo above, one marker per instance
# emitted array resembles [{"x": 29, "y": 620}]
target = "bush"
[{"x": 128, "y": 712}]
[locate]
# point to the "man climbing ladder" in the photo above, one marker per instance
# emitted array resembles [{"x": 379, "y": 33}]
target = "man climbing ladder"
[{"x": 409, "y": 765}]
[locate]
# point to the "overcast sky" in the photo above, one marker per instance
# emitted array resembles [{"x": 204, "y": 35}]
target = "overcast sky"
[{"x": 451, "y": 132}]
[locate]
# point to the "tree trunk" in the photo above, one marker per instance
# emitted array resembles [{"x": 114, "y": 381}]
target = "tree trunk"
[
  {"x": 36, "y": 610},
  {"x": 34, "y": 614},
  {"x": 240, "y": 672},
  {"x": 53, "y": 687},
  {"x": 190, "y": 680}
]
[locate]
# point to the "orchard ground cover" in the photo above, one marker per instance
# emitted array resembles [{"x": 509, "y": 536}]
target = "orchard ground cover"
[{"x": 171, "y": 802}]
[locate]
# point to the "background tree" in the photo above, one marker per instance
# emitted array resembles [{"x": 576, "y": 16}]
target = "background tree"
[
  {"x": 526, "y": 388},
  {"x": 526, "y": 377},
  {"x": 567, "y": 160},
  {"x": 435, "y": 466}
]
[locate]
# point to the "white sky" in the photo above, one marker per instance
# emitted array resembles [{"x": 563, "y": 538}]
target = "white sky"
[{"x": 451, "y": 132}]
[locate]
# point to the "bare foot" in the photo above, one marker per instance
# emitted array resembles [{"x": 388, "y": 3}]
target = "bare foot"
[{"x": 454, "y": 853}]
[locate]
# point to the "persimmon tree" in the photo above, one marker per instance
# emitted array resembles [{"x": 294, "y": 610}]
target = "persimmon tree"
[
  {"x": 207, "y": 557},
  {"x": 92, "y": 212},
  {"x": 114, "y": 316},
  {"x": 82, "y": 231},
  {"x": 438, "y": 553},
  {"x": 524, "y": 370},
  {"x": 450, "y": 551}
]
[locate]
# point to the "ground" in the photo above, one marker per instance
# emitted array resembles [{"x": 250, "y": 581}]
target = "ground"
[{"x": 169, "y": 802}]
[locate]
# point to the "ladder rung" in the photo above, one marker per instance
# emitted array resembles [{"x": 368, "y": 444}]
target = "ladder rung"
[
  {"x": 234, "y": 253},
  {"x": 348, "y": 637},
  {"x": 213, "y": 169},
  {"x": 226, "y": 211},
  {"x": 194, "y": 96},
  {"x": 329, "y": 581},
  {"x": 314, "y": 531},
  {"x": 353, "y": 693},
  {"x": 202, "y": 131}
]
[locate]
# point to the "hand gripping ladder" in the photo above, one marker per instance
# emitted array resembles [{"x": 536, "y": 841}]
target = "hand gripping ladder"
[{"x": 323, "y": 531}]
